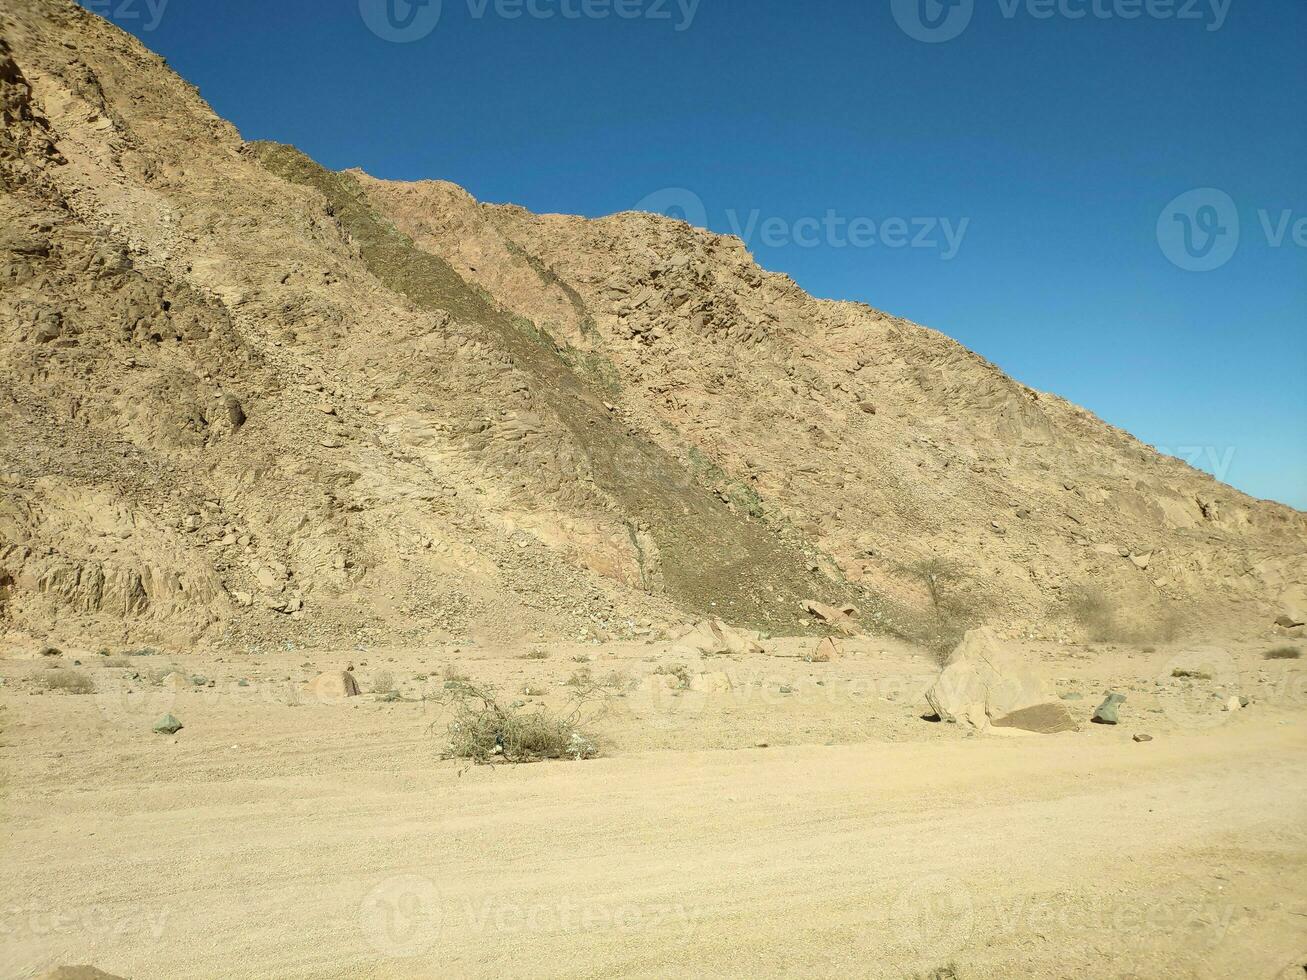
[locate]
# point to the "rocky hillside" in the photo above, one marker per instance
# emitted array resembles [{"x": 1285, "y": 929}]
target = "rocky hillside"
[{"x": 243, "y": 398}]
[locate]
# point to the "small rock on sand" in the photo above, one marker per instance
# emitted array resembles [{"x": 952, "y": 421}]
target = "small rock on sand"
[
  {"x": 168, "y": 725},
  {"x": 1109, "y": 712}
]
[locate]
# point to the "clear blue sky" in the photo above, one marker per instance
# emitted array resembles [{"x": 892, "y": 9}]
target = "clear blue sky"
[{"x": 1059, "y": 139}]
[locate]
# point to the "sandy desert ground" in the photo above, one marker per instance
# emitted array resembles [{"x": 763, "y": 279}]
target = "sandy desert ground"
[{"x": 728, "y": 830}]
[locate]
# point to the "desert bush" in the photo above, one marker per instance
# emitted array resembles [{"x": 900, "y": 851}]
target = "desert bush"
[
  {"x": 484, "y": 730},
  {"x": 452, "y": 675},
  {"x": 383, "y": 682},
  {"x": 67, "y": 681},
  {"x": 581, "y": 678},
  {"x": 535, "y": 654},
  {"x": 1283, "y": 653},
  {"x": 617, "y": 680}
]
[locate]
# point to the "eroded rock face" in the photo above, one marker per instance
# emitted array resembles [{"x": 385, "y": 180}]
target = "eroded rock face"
[
  {"x": 536, "y": 422},
  {"x": 985, "y": 683}
]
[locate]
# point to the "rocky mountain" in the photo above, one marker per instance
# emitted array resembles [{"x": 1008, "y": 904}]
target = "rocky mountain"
[{"x": 244, "y": 398}]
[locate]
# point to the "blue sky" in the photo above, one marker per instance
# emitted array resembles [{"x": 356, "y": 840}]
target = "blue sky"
[{"x": 1009, "y": 179}]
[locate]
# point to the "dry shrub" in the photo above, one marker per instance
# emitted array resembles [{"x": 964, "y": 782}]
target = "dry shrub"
[
  {"x": 951, "y": 613},
  {"x": 67, "y": 681},
  {"x": 1283, "y": 653},
  {"x": 678, "y": 672},
  {"x": 383, "y": 682},
  {"x": 485, "y": 730},
  {"x": 583, "y": 678}
]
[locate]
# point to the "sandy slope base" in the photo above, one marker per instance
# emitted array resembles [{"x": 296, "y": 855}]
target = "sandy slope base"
[{"x": 281, "y": 837}]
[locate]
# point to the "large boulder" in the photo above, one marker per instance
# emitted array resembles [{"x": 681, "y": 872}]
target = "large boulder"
[
  {"x": 841, "y": 618},
  {"x": 984, "y": 683},
  {"x": 1291, "y": 607},
  {"x": 713, "y": 638}
]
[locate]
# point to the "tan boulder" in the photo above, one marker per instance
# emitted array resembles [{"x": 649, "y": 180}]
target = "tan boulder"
[
  {"x": 713, "y": 638},
  {"x": 827, "y": 651},
  {"x": 841, "y": 618},
  {"x": 1291, "y": 618},
  {"x": 334, "y": 686},
  {"x": 985, "y": 683}
]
